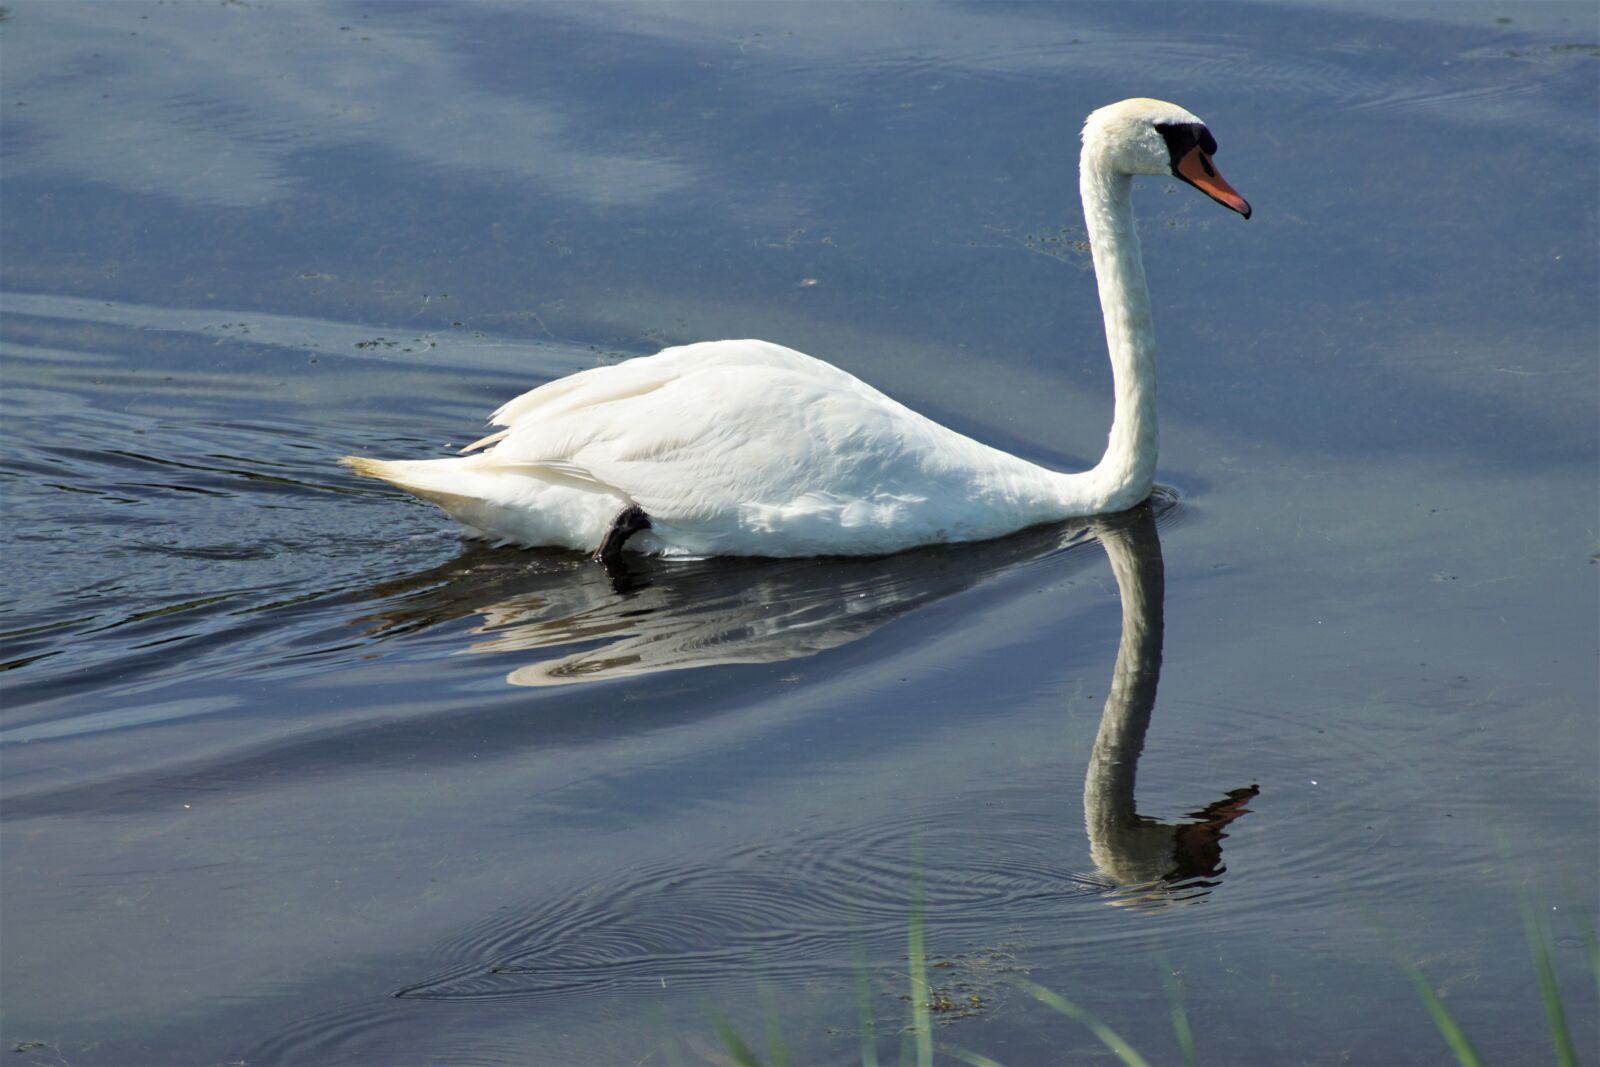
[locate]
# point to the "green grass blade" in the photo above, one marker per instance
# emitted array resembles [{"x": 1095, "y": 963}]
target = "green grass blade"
[
  {"x": 742, "y": 1053},
  {"x": 864, "y": 1020},
  {"x": 974, "y": 1058},
  {"x": 777, "y": 1049},
  {"x": 920, "y": 1024},
  {"x": 1454, "y": 1036},
  {"x": 1592, "y": 947},
  {"x": 1108, "y": 1037},
  {"x": 1539, "y": 945},
  {"x": 1180, "y": 1017}
]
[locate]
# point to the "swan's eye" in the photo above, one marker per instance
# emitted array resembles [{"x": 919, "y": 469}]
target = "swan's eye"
[{"x": 1208, "y": 143}]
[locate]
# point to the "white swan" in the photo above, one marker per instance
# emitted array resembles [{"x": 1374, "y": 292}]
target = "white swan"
[{"x": 747, "y": 448}]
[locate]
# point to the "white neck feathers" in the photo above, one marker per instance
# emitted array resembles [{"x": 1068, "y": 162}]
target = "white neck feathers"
[{"x": 1125, "y": 474}]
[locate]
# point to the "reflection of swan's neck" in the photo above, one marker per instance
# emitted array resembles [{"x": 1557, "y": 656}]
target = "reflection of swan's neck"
[
  {"x": 1108, "y": 790},
  {"x": 1126, "y": 472},
  {"x": 1128, "y": 848}
]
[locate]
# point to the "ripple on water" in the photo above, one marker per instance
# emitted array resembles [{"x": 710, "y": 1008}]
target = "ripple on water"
[
  {"x": 1326, "y": 775},
  {"x": 190, "y": 502},
  {"x": 774, "y": 912},
  {"x": 810, "y": 907}
]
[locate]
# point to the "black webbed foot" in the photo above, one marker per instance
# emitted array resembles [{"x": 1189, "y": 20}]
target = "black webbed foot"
[{"x": 629, "y": 521}]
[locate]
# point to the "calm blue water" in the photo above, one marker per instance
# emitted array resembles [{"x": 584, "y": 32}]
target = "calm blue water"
[{"x": 292, "y": 775}]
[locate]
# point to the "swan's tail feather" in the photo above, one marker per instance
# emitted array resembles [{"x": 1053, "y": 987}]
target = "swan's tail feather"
[
  {"x": 420, "y": 477},
  {"x": 553, "y": 503},
  {"x": 368, "y": 468}
]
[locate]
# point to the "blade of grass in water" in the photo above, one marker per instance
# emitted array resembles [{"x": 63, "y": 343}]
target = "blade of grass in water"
[
  {"x": 976, "y": 1059},
  {"x": 1454, "y": 1036},
  {"x": 742, "y": 1053},
  {"x": 919, "y": 978},
  {"x": 1539, "y": 945},
  {"x": 868, "y": 1026},
  {"x": 777, "y": 1050},
  {"x": 1108, "y": 1037},
  {"x": 907, "y": 1045},
  {"x": 1180, "y": 1017},
  {"x": 1592, "y": 946}
]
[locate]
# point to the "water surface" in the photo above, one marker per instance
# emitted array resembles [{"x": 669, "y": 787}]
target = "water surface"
[{"x": 294, "y": 775}]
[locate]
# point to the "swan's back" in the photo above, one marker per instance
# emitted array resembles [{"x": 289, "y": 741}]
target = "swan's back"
[
  {"x": 635, "y": 377},
  {"x": 730, "y": 448}
]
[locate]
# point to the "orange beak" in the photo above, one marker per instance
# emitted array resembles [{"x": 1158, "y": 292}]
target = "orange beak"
[{"x": 1196, "y": 168}]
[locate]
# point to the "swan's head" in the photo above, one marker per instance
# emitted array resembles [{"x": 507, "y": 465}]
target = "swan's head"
[{"x": 1142, "y": 136}]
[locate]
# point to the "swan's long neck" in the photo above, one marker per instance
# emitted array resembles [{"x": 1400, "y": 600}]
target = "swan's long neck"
[{"x": 1126, "y": 472}]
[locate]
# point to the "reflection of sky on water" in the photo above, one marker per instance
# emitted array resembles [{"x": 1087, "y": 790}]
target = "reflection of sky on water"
[{"x": 223, "y": 105}]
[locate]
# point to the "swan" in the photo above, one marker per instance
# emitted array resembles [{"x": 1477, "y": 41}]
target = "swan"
[{"x": 748, "y": 448}]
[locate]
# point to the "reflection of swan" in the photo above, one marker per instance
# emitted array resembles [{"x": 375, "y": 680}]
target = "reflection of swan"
[
  {"x": 1162, "y": 859},
  {"x": 748, "y": 448},
  {"x": 671, "y": 615}
]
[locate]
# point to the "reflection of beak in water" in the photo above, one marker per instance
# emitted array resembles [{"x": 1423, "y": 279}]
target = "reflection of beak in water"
[
  {"x": 658, "y": 615},
  {"x": 1143, "y": 861}
]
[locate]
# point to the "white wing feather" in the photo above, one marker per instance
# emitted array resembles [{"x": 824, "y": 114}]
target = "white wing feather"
[{"x": 730, "y": 447}]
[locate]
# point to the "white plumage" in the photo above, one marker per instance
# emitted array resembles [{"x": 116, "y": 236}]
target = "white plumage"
[{"x": 750, "y": 448}]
